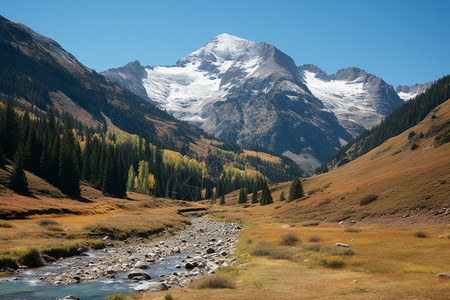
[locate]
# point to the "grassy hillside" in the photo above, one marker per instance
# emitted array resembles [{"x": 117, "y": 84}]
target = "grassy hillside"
[{"x": 407, "y": 176}]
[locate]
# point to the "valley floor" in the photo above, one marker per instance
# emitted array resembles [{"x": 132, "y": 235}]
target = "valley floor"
[{"x": 382, "y": 262}]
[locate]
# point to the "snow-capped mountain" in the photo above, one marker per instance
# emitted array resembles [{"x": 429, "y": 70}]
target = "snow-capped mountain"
[
  {"x": 358, "y": 99},
  {"x": 408, "y": 92},
  {"x": 254, "y": 94}
]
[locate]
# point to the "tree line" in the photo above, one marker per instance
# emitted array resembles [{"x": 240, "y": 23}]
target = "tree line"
[{"x": 111, "y": 161}]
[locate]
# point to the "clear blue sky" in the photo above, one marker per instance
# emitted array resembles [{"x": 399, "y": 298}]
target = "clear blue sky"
[{"x": 404, "y": 42}]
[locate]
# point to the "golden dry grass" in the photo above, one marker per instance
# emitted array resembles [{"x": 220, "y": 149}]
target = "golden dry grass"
[
  {"x": 45, "y": 222},
  {"x": 389, "y": 263}
]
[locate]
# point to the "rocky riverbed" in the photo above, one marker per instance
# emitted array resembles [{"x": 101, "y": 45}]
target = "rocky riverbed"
[{"x": 207, "y": 243}]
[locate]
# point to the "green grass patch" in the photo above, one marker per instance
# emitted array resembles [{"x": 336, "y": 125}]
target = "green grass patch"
[
  {"x": 333, "y": 262},
  {"x": 97, "y": 244},
  {"x": 62, "y": 251}
]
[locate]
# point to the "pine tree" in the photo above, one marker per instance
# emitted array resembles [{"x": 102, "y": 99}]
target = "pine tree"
[
  {"x": 241, "y": 196},
  {"x": 69, "y": 179},
  {"x": 86, "y": 166},
  {"x": 32, "y": 152},
  {"x": 296, "y": 190},
  {"x": 131, "y": 177},
  {"x": 282, "y": 198},
  {"x": 10, "y": 130},
  {"x": 255, "y": 196},
  {"x": 18, "y": 180},
  {"x": 266, "y": 197},
  {"x": 222, "y": 199},
  {"x": 2, "y": 159}
]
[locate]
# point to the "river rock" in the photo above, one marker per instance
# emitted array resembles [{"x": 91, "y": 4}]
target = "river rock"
[
  {"x": 443, "y": 275},
  {"x": 189, "y": 266},
  {"x": 139, "y": 275},
  {"x": 342, "y": 245},
  {"x": 151, "y": 287},
  {"x": 141, "y": 265}
]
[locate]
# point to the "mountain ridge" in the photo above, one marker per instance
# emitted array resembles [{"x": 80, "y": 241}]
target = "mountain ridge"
[{"x": 252, "y": 93}]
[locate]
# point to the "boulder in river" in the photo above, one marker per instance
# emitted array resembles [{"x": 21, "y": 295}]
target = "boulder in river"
[
  {"x": 151, "y": 287},
  {"x": 139, "y": 275}
]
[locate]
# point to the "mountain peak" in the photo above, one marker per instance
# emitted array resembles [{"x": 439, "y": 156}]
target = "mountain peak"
[{"x": 224, "y": 47}]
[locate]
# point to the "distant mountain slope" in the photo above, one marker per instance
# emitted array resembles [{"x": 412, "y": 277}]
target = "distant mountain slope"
[
  {"x": 404, "y": 117},
  {"x": 35, "y": 67},
  {"x": 408, "y": 92},
  {"x": 358, "y": 99}
]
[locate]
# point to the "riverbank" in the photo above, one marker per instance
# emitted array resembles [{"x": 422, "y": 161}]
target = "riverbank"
[{"x": 206, "y": 242}]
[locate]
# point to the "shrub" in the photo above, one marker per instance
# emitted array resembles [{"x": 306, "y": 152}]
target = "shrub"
[
  {"x": 332, "y": 262},
  {"x": 116, "y": 296},
  {"x": 8, "y": 261},
  {"x": 315, "y": 247},
  {"x": 411, "y": 134},
  {"x": 32, "y": 258},
  {"x": 314, "y": 238},
  {"x": 368, "y": 199},
  {"x": 48, "y": 222},
  {"x": 289, "y": 238},
  {"x": 414, "y": 146},
  {"x": 352, "y": 230},
  {"x": 215, "y": 282},
  {"x": 5, "y": 224},
  {"x": 168, "y": 296},
  {"x": 420, "y": 234}
]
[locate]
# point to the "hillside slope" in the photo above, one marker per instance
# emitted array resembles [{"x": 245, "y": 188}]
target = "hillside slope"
[{"x": 408, "y": 182}]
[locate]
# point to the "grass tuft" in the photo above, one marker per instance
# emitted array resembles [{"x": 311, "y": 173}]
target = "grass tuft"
[
  {"x": 168, "y": 296},
  {"x": 32, "y": 258},
  {"x": 420, "y": 234},
  {"x": 8, "y": 261},
  {"x": 270, "y": 252},
  {"x": 48, "y": 222},
  {"x": 314, "y": 238},
  {"x": 289, "y": 239},
  {"x": 97, "y": 244},
  {"x": 215, "y": 282}
]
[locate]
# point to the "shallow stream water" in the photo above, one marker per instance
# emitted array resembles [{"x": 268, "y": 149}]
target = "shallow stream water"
[{"x": 28, "y": 285}]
